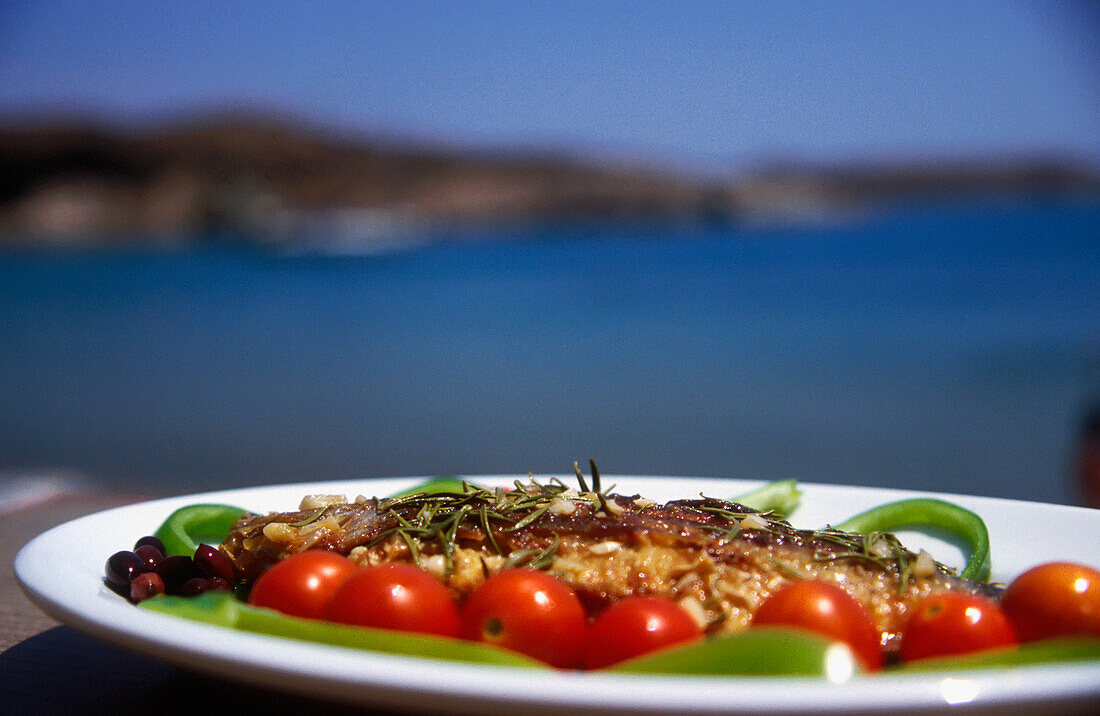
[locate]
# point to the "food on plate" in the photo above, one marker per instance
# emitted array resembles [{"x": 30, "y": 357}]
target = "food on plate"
[
  {"x": 582, "y": 577},
  {"x": 148, "y": 570},
  {"x": 718, "y": 560}
]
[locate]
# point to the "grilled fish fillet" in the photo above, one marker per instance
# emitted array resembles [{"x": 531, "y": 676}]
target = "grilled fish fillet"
[{"x": 718, "y": 559}]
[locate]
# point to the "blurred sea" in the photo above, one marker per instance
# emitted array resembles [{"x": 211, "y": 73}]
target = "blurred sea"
[{"x": 947, "y": 347}]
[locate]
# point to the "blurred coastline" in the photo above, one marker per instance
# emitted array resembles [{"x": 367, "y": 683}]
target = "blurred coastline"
[{"x": 282, "y": 183}]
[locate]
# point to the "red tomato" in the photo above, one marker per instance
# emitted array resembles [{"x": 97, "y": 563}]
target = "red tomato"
[
  {"x": 530, "y": 612},
  {"x": 636, "y": 626},
  {"x": 1054, "y": 599},
  {"x": 828, "y": 610},
  {"x": 954, "y": 624},
  {"x": 395, "y": 596},
  {"x": 302, "y": 584}
]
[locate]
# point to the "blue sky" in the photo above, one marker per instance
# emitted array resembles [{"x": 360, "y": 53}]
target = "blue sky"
[{"x": 719, "y": 84}]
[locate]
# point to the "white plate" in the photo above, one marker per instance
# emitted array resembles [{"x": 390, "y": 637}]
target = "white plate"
[{"x": 1023, "y": 534}]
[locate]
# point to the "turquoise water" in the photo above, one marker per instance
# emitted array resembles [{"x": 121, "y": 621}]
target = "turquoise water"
[{"x": 941, "y": 347}]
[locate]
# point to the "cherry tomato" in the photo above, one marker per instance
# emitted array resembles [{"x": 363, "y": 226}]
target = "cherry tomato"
[
  {"x": 302, "y": 584},
  {"x": 1054, "y": 599},
  {"x": 954, "y": 623},
  {"x": 395, "y": 596},
  {"x": 636, "y": 626},
  {"x": 530, "y": 612},
  {"x": 828, "y": 610}
]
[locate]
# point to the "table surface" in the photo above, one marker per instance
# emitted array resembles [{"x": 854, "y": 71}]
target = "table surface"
[{"x": 49, "y": 668}]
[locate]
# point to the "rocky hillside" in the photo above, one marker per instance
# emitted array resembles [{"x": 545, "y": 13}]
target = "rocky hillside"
[
  {"x": 274, "y": 181},
  {"x": 263, "y": 177}
]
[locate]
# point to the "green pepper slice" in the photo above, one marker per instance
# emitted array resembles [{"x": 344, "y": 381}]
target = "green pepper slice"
[
  {"x": 434, "y": 486},
  {"x": 1048, "y": 651},
  {"x": 760, "y": 651},
  {"x": 223, "y": 609},
  {"x": 188, "y": 527},
  {"x": 781, "y": 497},
  {"x": 929, "y": 512}
]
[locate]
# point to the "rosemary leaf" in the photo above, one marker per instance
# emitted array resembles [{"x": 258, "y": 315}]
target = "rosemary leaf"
[
  {"x": 311, "y": 519},
  {"x": 595, "y": 476},
  {"x": 580, "y": 477},
  {"x": 545, "y": 558},
  {"x": 531, "y": 517},
  {"x": 483, "y": 515},
  {"x": 414, "y": 549},
  {"x": 787, "y": 569}
]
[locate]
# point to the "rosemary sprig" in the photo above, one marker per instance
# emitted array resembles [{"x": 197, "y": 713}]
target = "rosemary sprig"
[
  {"x": 728, "y": 514},
  {"x": 865, "y": 547},
  {"x": 422, "y": 518},
  {"x": 536, "y": 559},
  {"x": 446, "y": 537},
  {"x": 546, "y": 557}
]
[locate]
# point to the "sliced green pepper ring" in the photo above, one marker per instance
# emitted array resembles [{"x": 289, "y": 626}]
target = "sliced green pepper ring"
[
  {"x": 780, "y": 496},
  {"x": 434, "y": 486},
  {"x": 928, "y": 512},
  {"x": 1047, "y": 651},
  {"x": 188, "y": 527},
  {"x": 759, "y": 651},
  {"x": 223, "y": 609},
  {"x": 762, "y": 651}
]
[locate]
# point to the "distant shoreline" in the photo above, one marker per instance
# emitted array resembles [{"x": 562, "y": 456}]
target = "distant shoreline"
[{"x": 283, "y": 184}]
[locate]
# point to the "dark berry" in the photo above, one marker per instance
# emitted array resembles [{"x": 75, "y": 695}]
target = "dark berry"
[
  {"x": 176, "y": 570},
  {"x": 121, "y": 569},
  {"x": 150, "y": 556},
  {"x": 217, "y": 584},
  {"x": 152, "y": 542},
  {"x": 193, "y": 587},
  {"x": 213, "y": 563}
]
